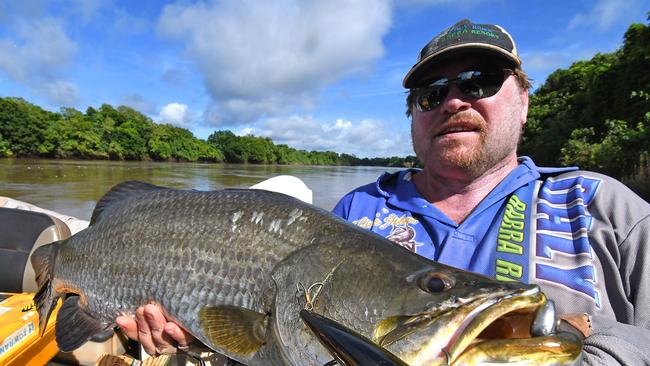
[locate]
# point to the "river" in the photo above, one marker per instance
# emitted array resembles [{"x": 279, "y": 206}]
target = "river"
[{"x": 73, "y": 187}]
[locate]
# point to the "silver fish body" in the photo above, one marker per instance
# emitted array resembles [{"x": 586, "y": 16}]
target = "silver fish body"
[{"x": 235, "y": 267}]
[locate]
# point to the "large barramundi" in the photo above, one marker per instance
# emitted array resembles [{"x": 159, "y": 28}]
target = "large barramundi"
[{"x": 236, "y": 267}]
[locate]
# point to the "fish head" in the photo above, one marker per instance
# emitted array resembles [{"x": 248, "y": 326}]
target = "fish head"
[
  {"x": 422, "y": 311},
  {"x": 446, "y": 311}
]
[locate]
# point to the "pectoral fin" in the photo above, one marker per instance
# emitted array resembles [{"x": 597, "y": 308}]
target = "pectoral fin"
[
  {"x": 74, "y": 326},
  {"x": 237, "y": 330}
]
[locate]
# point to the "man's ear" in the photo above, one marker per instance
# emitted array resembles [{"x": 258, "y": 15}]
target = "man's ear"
[{"x": 523, "y": 97}]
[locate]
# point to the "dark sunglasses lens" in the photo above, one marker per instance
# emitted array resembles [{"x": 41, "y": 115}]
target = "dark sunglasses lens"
[
  {"x": 431, "y": 97},
  {"x": 482, "y": 84},
  {"x": 477, "y": 84}
]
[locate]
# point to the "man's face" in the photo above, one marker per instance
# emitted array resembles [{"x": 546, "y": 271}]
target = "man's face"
[{"x": 467, "y": 135}]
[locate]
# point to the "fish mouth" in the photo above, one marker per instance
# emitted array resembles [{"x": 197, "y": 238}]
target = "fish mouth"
[{"x": 448, "y": 333}]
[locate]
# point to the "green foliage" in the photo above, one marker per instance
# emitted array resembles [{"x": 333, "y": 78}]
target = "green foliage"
[
  {"x": 106, "y": 133},
  {"x": 410, "y": 162},
  {"x": 616, "y": 154},
  {"x": 131, "y": 142},
  {"x": 23, "y": 125},
  {"x": 4, "y": 148},
  {"x": 261, "y": 150},
  {"x": 638, "y": 180},
  {"x": 286, "y": 155},
  {"x": 232, "y": 147},
  {"x": 174, "y": 143},
  {"x": 72, "y": 136},
  {"x": 596, "y": 113},
  {"x": 123, "y": 133}
]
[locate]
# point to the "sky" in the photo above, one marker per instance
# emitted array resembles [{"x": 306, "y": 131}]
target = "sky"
[{"x": 312, "y": 74}]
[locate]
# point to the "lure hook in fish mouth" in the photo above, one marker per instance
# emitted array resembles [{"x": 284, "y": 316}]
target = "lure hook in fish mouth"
[{"x": 512, "y": 315}]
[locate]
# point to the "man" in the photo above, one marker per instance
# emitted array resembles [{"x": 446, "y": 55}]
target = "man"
[
  {"x": 477, "y": 206},
  {"x": 582, "y": 236}
]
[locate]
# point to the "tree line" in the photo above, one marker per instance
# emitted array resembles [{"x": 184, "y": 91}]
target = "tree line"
[
  {"x": 122, "y": 133},
  {"x": 594, "y": 114}
]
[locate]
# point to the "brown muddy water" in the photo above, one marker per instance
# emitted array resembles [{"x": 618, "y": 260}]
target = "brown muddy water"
[{"x": 73, "y": 187}]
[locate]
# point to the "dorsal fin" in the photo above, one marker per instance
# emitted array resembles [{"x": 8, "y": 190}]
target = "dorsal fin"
[{"x": 120, "y": 192}]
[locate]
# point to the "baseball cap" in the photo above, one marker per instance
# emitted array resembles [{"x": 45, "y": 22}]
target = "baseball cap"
[{"x": 462, "y": 37}]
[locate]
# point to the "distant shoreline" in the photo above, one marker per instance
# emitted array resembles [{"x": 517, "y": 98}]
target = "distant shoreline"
[
  {"x": 125, "y": 134},
  {"x": 72, "y": 160}
]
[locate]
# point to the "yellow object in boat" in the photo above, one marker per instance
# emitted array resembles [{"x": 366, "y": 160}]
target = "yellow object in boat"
[{"x": 20, "y": 343}]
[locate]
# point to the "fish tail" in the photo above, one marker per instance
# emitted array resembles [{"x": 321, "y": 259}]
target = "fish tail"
[{"x": 43, "y": 260}]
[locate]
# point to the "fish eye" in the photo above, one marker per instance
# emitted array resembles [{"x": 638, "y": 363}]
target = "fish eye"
[{"x": 435, "y": 282}]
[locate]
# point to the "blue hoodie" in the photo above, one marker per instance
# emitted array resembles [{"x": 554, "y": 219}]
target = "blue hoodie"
[{"x": 581, "y": 236}]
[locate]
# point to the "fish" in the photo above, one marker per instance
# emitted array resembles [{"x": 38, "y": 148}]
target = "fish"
[{"x": 236, "y": 267}]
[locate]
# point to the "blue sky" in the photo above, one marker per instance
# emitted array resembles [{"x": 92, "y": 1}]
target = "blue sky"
[{"x": 323, "y": 75}]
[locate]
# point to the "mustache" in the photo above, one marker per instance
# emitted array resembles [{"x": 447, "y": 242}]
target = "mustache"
[{"x": 464, "y": 117}]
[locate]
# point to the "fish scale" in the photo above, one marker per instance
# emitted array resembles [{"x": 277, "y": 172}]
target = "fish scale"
[{"x": 228, "y": 265}]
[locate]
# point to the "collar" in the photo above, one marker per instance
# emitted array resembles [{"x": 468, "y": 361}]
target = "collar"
[{"x": 401, "y": 192}]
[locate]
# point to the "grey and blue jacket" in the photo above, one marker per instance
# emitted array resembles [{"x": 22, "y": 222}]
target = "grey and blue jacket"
[{"x": 583, "y": 237}]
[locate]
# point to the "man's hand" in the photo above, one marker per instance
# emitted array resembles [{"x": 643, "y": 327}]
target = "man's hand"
[{"x": 152, "y": 329}]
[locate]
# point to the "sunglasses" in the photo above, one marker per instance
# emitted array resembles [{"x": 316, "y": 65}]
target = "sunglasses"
[{"x": 476, "y": 84}]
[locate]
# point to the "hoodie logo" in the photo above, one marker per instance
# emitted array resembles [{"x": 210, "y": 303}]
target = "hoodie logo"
[{"x": 396, "y": 228}]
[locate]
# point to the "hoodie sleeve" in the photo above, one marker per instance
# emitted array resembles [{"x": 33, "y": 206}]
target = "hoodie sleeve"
[
  {"x": 621, "y": 238},
  {"x": 614, "y": 343}
]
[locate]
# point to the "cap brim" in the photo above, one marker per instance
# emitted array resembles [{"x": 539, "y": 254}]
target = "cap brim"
[{"x": 417, "y": 76}]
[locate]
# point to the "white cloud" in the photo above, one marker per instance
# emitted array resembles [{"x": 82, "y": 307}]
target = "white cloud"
[
  {"x": 174, "y": 76},
  {"x": 267, "y": 58},
  {"x": 176, "y": 114},
  {"x": 464, "y": 4},
  {"x": 38, "y": 50},
  {"x": 542, "y": 61},
  {"x": 539, "y": 65},
  {"x": 86, "y": 9},
  {"x": 246, "y": 131},
  {"x": 37, "y": 53},
  {"x": 367, "y": 138},
  {"x": 128, "y": 23},
  {"x": 27, "y": 9},
  {"x": 139, "y": 103},
  {"x": 605, "y": 13},
  {"x": 62, "y": 92}
]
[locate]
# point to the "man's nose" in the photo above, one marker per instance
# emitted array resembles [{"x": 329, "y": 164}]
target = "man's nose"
[{"x": 456, "y": 100}]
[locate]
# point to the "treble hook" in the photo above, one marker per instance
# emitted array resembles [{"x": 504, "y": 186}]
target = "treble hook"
[
  {"x": 311, "y": 297},
  {"x": 311, "y": 293}
]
